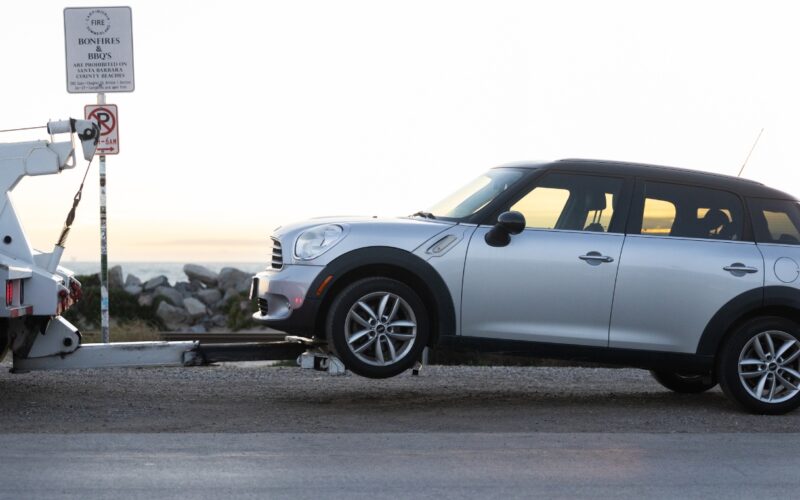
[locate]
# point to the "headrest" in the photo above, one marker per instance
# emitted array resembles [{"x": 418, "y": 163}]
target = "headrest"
[
  {"x": 595, "y": 200},
  {"x": 715, "y": 218}
]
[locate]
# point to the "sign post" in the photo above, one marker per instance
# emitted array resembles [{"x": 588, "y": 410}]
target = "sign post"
[
  {"x": 99, "y": 57},
  {"x": 104, "y": 319}
]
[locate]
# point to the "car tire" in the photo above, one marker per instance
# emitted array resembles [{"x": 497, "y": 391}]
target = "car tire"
[
  {"x": 684, "y": 383},
  {"x": 759, "y": 365},
  {"x": 378, "y": 327},
  {"x": 4, "y": 341}
]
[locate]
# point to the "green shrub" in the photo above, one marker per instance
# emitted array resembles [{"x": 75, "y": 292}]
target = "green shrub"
[
  {"x": 123, "y": 307},
  {"x": 240, "y": 312}
]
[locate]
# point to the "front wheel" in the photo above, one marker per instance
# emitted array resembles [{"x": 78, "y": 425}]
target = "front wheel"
[
  {"x": 684, "y": 383},
  {"x": 378, "y": 327},
  {"x": 759, "y": 365}
]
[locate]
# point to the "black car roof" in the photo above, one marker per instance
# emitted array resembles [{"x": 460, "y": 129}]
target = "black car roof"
[{"x": 745, "y": 187}]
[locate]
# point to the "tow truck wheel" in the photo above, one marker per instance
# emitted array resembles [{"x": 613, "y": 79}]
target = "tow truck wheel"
[
  {"x": 3, "y": 338},
  {"x": 378, "y": 327}
]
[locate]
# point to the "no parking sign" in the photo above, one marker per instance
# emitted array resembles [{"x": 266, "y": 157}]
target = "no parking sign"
[{"x": 105, "y": 115}]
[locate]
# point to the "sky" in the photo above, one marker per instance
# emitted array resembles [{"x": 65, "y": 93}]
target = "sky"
[{"x": 249, "y": 115}]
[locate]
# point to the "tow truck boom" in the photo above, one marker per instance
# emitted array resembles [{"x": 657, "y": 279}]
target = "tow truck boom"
[{"x": 36, "y": 290}]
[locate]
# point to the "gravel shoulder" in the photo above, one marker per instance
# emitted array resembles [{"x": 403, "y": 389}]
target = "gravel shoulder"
[{"x": 242, "y": 397}]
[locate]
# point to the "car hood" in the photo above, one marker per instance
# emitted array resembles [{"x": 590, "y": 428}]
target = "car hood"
[{"x": 405, "y": 233}]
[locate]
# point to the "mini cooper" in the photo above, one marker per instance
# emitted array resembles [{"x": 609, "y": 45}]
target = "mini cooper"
[{"x": 691, "y": 275}]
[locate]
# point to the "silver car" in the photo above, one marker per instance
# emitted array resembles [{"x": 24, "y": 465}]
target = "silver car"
[{"x": 691, "y": 275}]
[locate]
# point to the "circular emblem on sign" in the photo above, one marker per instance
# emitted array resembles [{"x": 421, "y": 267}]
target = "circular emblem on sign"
[
  {"x": 98, "y": 22},
  {"x": 105, "y": 119}
]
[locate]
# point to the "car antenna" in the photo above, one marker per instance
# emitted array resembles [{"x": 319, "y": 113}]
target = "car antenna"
[{"x": 751, "y": 152}]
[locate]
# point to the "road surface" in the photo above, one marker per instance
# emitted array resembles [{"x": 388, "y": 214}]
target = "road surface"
[{"x": 250, "y": 431}]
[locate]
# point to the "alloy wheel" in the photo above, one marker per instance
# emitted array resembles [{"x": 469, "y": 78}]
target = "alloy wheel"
[
  {"x": 769, "y": 366},
  {"x": 380, "y": 328}
]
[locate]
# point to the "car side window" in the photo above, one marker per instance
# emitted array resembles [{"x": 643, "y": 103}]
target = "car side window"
[
  {"x": 542, "y": 207},
  {"x": 691, "y": 212},
  {"x": 572, "y": 202},
  {"x": 659, "y": 215},
  {"x": 776, "y": 221}
]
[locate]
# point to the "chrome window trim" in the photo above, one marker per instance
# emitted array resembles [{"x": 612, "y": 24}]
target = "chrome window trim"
[
  {"x": 688, "y": 238},
  {"x": 573, "y": 231},
  {"x": 781, "y": 245}
]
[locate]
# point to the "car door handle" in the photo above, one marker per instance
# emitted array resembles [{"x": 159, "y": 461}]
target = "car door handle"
[
  {"x": 738, "y": 267},
  {"x": 596, "y": 257}
]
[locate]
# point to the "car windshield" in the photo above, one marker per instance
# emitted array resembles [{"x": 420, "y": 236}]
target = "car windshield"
[{"x": 477, "y": 194}]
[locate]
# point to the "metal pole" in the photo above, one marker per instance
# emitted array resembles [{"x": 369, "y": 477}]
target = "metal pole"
[{"x": 101, "y": 99}]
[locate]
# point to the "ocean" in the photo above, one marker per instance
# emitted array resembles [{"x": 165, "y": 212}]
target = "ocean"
[{"x": 172, "y": 270}]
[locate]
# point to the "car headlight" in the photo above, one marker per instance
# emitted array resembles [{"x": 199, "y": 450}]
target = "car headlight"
[{"x": 316, "y": 241}]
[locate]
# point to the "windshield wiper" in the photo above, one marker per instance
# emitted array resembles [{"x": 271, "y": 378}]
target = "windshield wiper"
[{"x": 427, "y": 215}]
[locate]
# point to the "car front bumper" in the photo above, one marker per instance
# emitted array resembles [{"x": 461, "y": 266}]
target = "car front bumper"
[{"x": 283, "y": 298}]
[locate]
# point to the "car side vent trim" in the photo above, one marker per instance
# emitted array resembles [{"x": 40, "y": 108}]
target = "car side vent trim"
[{"x": 277, "y": 254}]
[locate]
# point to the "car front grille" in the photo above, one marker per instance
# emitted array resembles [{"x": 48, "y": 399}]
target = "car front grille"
[
  {"x": 263, "y": 306},
  {"x": 277, "y": 254}
]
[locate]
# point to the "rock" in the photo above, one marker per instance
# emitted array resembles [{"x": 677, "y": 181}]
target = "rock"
[
  {"x": 185, "y": 289},
  {"x": 219, "y": 320},
  {"x": 194, "y": 308},
  {"x": 115, "y": 277},
  {"x": 229, "y": 294},
  {"x": 196, "y": 285},
  {"x": 171, "y": 315},
  {"x": 146, "y": 299},
  {"x": 133, "y": 289},
  {"x": 209, "y": 297},
  {"x": 230, "y": 277},
  {"x": 156, "y": 282},
  {"x": 173, "y": 296},
  {"x": 202, "y": 274},
  {"x": 198, "y": 329},
  {"x": 244, "y": 285},
  {"x": 132, "y": 280}
]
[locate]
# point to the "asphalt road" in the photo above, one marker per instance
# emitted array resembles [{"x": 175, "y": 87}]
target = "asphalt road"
[
  {"x": 249, "y": 431},
  {"x": 399, "y": 465}
]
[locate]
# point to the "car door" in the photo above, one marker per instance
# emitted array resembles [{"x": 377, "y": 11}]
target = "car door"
[
  {"x": 554, "y": 281},
  {"x": 776, "y": 225},
  {"x": 684, "y": 258}
]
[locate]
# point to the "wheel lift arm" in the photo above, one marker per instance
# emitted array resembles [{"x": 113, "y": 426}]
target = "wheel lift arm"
[{"x": 58, "y": 348}]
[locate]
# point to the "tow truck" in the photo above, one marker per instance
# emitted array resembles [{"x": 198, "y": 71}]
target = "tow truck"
[{"x": 37, "y": 290}]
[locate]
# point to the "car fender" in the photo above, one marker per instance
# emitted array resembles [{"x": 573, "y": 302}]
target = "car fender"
[
  {"x": 771, "y": 300},
  {"x": 396, "y": 263}
]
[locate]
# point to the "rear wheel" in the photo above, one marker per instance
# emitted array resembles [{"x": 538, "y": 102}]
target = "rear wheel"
[
  {"x": 378, "y": 327},
  {"x": 684, "y": 383},
  {"x": 759, "y": 365}
]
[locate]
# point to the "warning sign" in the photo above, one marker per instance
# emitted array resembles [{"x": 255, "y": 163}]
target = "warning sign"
[
  {"x": 105, "y": 115},
  {"x": 99, "y": 49}
]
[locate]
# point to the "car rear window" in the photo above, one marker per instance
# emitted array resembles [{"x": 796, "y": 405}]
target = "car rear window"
[
  {"x": 691, "y": 212},
  {"x": 776, "y": 221}
]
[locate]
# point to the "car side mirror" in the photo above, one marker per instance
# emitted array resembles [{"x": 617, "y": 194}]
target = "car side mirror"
[{"x": 508, "y": 223}]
